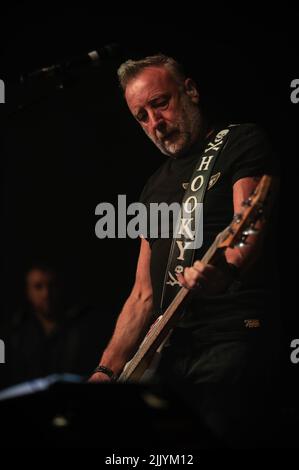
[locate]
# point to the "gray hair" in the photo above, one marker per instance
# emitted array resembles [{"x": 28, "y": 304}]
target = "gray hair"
[{"x": 131, "y": 68}]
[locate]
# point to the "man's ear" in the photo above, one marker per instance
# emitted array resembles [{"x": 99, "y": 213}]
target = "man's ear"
[{"x": 191, "y": 90}]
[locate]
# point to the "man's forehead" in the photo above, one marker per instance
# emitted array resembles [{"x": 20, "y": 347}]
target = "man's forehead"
[
  {"x": 37, "y": 275},
  {"x": 149, "y": 82}
]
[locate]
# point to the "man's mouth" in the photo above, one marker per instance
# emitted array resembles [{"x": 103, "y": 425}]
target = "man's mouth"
[{"x": 170, "y": 136}]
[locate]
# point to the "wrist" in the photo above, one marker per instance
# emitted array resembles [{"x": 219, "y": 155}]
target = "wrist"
[{"x": 107, "y": 371}]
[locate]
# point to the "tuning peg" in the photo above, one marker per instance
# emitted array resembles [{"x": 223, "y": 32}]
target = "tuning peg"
[
  {"x": 247, "y": 202},
  {"x": 250, "y": 231},
  {"x": 242, "y": 242},
  {"x": 237, "y": 218}
]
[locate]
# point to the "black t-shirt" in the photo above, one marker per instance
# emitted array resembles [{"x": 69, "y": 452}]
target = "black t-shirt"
[{"x": 247, "y": 153}]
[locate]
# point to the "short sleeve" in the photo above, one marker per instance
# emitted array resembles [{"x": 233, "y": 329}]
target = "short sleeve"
[{"x": 251, "y": 153}]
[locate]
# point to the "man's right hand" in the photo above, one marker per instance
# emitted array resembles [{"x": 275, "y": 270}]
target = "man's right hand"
[{"x": 99, "y": 377}]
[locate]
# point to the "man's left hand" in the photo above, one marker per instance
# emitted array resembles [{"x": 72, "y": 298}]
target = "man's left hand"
[{"x": 205, "y": 277}]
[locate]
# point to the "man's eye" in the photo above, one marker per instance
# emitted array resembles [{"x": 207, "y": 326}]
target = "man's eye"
[
  {"x": 141, "y": 117},
  {"x": 161, "y": 103}
]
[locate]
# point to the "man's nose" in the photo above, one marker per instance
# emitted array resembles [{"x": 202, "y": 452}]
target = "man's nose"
[
  {"x": 45, "y": 297},
  {"x": 45, "y": 292},
  {"x": 157, "y": 121}
]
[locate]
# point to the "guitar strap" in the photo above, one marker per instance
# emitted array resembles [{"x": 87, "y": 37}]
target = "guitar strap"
[{"x": 188, "y": 232}]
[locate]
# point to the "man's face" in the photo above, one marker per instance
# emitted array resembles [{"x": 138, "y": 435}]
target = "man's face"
[
  {"x": 167, "y": 112},
  {"x": 40, "y": 291}
]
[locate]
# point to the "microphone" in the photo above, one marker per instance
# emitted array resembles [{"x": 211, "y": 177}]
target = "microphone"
[{"x": 93, "y": 58}]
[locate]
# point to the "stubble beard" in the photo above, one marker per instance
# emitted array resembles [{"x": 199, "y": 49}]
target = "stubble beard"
[{"x": 188, "y": 131}]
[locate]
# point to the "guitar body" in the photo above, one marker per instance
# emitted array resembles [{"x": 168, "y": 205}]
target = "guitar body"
[{"x": 146, "y": 368}]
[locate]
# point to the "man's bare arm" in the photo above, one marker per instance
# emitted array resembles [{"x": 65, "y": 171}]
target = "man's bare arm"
[
  {"x": 133, "y": 321},
  {"x": 244, "y": 257}
]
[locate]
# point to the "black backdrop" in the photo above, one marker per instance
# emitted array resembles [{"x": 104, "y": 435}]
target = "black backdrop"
[{"x": 69, "y": 149}]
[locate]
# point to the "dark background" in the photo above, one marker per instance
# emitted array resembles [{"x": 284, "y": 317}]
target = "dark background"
[{"x": 69, "y": 149}]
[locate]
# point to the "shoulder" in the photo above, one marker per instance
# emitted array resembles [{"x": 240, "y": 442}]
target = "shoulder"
[
  {"x": 249, "y": 152},
  {"x": 248, "y": 132},
  {"x": 249, "y": 140},
  {"x": 245, "y": 138}
]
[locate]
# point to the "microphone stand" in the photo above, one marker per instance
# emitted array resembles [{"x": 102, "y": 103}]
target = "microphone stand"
[
  {"x": 26, "y": 93},
  {"x": 60, "y": 76}
]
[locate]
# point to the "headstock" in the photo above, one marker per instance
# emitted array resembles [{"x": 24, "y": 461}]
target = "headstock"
[{"x": 244, "y": 223}]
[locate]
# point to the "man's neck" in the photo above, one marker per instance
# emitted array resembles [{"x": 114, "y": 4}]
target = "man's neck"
[{"x": 206, "y": 131}]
